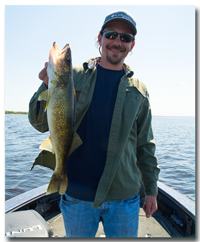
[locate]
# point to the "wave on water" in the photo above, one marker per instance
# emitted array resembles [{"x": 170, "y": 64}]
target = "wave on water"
[{"x": 175, "y": 150}]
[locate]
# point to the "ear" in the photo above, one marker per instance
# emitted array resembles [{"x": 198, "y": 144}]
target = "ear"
[
  {"x": 99, "y": 39},
  {"x": 133, "y": 45}
]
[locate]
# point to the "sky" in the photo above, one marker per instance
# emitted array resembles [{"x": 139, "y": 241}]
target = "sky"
[{"x": 163, "y": 57}]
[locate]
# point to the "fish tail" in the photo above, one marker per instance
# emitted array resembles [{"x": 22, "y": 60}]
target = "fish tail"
[{"x": 58, "y": 183}]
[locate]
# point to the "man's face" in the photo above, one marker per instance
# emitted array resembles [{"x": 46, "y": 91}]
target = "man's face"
[{"x": 115, "y": 51}]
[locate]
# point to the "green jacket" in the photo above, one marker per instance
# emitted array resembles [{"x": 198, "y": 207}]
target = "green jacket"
[{"x": 131, "y": 146}]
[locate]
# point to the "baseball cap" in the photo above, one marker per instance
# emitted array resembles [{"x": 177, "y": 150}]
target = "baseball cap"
[{"x": 121, "y": 16}]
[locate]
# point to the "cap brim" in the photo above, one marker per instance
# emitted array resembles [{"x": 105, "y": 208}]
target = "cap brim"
[{"x": 133, "y": 28}]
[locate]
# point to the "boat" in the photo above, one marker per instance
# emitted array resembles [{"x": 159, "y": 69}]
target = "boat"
[{"x": 37, "y": 214}]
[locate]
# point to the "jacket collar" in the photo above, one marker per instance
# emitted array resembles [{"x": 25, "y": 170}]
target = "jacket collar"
[{"x": 92, "y": 63}]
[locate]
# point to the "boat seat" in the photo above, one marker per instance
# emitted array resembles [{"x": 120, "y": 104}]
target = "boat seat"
[{"x": 27, "y": 223}]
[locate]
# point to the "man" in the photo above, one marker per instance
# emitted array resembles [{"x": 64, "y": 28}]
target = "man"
[{"x": 113, "y": 120}]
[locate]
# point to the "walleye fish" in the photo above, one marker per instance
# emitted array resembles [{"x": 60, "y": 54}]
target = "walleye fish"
[{"x": 60, "y": 108}]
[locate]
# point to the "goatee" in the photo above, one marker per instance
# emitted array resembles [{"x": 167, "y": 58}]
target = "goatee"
[{"x": 114, "y": 59}]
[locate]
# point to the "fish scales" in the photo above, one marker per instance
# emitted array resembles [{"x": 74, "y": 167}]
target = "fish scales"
[{"x": 61, "y": 121}]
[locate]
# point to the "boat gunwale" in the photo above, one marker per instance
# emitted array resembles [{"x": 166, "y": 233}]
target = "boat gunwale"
[
  {"x": 181, "y": 200},
  {"x": 25, "y": 198}
]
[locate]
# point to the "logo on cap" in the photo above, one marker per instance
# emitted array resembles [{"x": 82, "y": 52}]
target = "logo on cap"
[{"x": 122, "y": 15}]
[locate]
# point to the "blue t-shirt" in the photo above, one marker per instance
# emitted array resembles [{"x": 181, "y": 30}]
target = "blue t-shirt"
[{"x": 86, "y": 164}]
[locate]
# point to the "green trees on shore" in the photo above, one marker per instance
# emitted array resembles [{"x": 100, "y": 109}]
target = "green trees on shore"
[{"x": 12, "y": 112}]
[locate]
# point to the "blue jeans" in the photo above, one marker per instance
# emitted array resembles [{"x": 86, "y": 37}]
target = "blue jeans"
[{"x": 120, "y": 219}]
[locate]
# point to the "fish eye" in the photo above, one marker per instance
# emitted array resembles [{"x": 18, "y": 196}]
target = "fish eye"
[{"x": 68, "y": 57}]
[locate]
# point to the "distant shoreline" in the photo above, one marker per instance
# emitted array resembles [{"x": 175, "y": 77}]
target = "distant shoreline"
[
  {"x": 154, "y": 116},
  {"x": 13, "y": 112}
]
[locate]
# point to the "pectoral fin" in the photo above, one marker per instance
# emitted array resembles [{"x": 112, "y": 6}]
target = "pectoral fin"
[
  {"x": 45, "y": 96},
  {"x": 55, "y": 82},
  {"x": 47, "y": 145},
  {"x": 76, "y": 142}
]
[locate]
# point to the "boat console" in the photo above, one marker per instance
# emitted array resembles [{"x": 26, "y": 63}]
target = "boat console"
[{"x": 26, "y": 224}]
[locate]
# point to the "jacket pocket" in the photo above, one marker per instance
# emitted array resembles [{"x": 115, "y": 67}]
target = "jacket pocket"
[{"x": 132, "y": 103}]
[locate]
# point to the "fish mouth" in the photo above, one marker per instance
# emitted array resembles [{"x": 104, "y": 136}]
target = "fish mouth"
[
  {"x": 60, "y": 59},
  {"x": 65, "y": 52}
]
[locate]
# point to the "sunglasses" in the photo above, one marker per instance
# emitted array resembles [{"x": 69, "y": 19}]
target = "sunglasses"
[{"x": 124, "y": 37}]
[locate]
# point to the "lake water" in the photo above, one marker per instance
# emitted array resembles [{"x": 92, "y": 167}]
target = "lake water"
[{"x": 175, "y": 142}]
